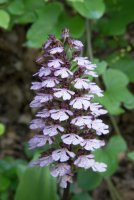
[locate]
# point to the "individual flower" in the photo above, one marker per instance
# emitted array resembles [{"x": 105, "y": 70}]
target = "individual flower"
[
  {"x": 96, "y": 109},
  {"x": 81, "y": 102},
  {"x": 82, "y": 61},
  {"x": 50, "y": 82},
  {"x": 94, "y": 89},
  {"x": 43, "y": 114},
  {"x": 82, "y": 121},
  {"x": 100, "y": 127},
  {"x": 52, "y": 130},
  {"x": 61, "y": 114},
  {"x": 92, "y": 144},
  {"x": 55, "y": 63},
  {"x": 61, "y": 169},
  {"x": 81, "y": 83},
  {"x": 36, "y": 86},
  {"x": 72, "y": 139},
  {"x": 56, "y": 50},
  {"x": 99, "y": 167},
  {"x": 64, "y": 93},
  {"x": 62, "y": 155},
  {"x": 77, "y": 44},
  {"x": 63, "y": 72},
  {"x": 90, "y": 73},
  {"x": 39, "y": 141},
  {"x": 67, "y": 117},
  {"x": 85, "y": 161},
  {"x": 36, "y": 123},
  {"x": 42, "y": 162},
  {"x": 44, "y": 71},
  {"x": 35, "y": 104}
]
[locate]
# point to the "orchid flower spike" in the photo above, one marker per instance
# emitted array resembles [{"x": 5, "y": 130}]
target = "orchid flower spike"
[{"x": 67, "y": 118}]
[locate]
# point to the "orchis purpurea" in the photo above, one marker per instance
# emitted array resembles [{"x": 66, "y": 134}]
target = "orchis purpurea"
[{"x": 67, "y": 118}]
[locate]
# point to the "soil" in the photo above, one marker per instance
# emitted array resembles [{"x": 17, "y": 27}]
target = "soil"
[{"x": 16, "y": 69}]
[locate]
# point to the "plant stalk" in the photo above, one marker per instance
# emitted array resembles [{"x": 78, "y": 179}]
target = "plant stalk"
[{"x": 66, "y": 195}]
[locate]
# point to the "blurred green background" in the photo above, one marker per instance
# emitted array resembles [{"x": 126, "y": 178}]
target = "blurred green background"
[{"x": 106, "y": 27}]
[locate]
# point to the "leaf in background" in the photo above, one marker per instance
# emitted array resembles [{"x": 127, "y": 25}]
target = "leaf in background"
[
  {"x": 119, "y": 144},
  {"x": 110, "y": 153},
  {"x": 44, "y": 25},
  {"x": 4, "y": 19},
  {"x": 101, "y": 66},
  {"x": 4, "y": 183},
  {"x": 3, "y": 1},
  {"x": 16, "y": 7},
  {"x": 88, "y": 180},
  {"x": 92, "y": 9},
  {"x": 131, "y": 155},
  {"x": 36, "y": 184},
  {"x": 116, "y": 92},
  {"x": 81, "y": 196},
  {"x": 124, "y": 64},
  {"x": 76, "y": 25},
  {"x": 30, "y": 8},
  {"x": 120, "y": 13},
  {"x": 2, "y": 129}
]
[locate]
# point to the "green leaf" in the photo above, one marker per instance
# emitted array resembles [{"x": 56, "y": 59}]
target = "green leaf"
[
  {"x": 45, "y": 24},
  {"x": 101, "y": 66},
  {"x": 76, "y": 25},
  {"x": 29, "y": 15},
  {"x": 88, "y": 180},
  {"x": 116, "y": 92},
  {"x": 2, "y": 129},
  {"x": 4, "y": 183},
  {"x": 124, "y": 64},
  {"x": 3, "y": 1},
  {"x": 16, "y": 7},
  {"x": 90, "y": 9},
  {"x": 4, "y": 19},
  {"x": 118, "y": 143},
  {"x": 36, "y": 183},
  {"x": 81, "y": 196},
  {"x": 120, "y": 13},
  {"x": 131, "y": 155}
]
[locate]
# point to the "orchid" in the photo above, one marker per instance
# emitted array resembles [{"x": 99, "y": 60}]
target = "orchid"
[
  {"x": 38, "y": 141},
  {"x": 64, "y": 93},
  {"x": 63, "y": 72},
  {"x": 67, "y": 120},
  {"x": 55, "y": 63}
]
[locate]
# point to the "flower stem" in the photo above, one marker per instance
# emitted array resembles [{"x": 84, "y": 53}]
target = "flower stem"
[{"x": 66, "y": 195}]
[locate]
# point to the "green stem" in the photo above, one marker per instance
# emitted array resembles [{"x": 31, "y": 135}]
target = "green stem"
[
  {"x": 66, "y": 195},
  {"x": 117, "y": 130},
  {"x": 114, "y": 193},
  {"x": 89, "y": 43}
]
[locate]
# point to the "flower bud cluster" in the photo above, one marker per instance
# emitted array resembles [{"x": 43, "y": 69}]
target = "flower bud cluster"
[{"x": 67, "y": 118}]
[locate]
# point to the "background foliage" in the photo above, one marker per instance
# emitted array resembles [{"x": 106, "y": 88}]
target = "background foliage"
[{"x": 103, "y": 26}]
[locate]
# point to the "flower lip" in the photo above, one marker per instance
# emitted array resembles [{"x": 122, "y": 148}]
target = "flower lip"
[
  {"x": 56, "y": 63},
  {"x": 64, "y": 93},
  {"x": 60, "y": 114},
  {"x": 62, "y": 155},
  {"x": 56, "y": 50},
  {"x": 72, "y": 139}
]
